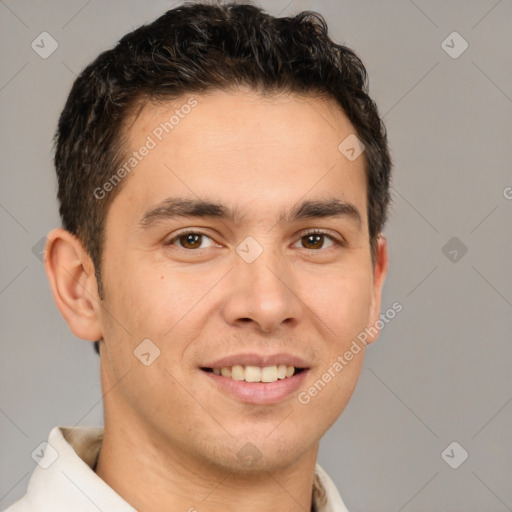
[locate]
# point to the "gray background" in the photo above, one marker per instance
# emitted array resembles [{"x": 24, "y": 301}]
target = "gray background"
[{"x": 440, "y": 371}]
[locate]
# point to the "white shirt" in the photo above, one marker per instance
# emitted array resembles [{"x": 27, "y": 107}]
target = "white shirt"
[{"x": 64, "y": 479}]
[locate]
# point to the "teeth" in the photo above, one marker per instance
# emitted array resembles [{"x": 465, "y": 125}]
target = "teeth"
[
  {"x": 237, "y": 372},
  {"x": 256, "y": 373},
  {"x": 269, "y": 374},
  {"x": 252, "y": 374}
]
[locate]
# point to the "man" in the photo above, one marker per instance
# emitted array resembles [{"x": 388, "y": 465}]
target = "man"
[{"x": 223, "y": 185}]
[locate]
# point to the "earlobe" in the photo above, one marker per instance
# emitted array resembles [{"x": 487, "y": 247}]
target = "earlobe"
[
  {"x": 380, "y": 270},
  {"x": 71, "y": 275}
]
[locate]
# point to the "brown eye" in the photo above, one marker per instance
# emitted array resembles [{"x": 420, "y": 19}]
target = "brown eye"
[
  {"x": 192, "y": 240},
  {"x": 313, "y": 241},
  {"x": 316, "y": 240}
]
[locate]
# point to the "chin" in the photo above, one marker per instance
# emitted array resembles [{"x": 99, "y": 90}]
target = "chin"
[{"x": 248, "y": 456}]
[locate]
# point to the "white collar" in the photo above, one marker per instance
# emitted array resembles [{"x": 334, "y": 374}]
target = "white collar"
[{"x": 64, "y": 478}]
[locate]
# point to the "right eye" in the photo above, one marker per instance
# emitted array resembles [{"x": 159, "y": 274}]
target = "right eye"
[{"x": 190, "y": 240}]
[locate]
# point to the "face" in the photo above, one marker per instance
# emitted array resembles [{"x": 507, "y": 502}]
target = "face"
[{"x": 239, "y": 241}]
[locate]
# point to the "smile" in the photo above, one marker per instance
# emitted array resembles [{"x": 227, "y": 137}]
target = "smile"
[{"x": 255, "y": 373}]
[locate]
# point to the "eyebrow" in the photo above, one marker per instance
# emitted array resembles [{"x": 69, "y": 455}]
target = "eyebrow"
[{"x": 172, "y": 208}]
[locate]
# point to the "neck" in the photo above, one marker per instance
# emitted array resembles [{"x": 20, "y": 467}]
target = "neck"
[{"x": 133, "y": 465}]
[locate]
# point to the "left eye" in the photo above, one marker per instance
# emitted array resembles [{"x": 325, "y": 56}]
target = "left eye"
[{"x": 316, "y": 240}]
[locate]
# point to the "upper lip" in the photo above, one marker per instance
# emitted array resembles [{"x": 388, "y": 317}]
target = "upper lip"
[{"x": 253, "y": 359}]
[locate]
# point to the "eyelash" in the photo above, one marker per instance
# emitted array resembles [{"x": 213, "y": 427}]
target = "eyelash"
[{"x": 336, "y": 242}]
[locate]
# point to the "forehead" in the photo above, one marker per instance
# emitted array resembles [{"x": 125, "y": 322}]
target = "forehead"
[
  {"x": 242, "y": 149},
  {"x": 222, "y": 117}
]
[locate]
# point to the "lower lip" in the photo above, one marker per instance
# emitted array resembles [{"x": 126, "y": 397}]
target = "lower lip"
[{"x": 265, "y": 393}]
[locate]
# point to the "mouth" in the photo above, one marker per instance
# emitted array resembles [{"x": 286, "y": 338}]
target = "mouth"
[
  {"x": 257, "y": 378},
  {"x": 257, "y": 385},
  {"x": 256, "y": 374}
]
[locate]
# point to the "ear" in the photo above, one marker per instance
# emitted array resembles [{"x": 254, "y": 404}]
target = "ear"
[
  {"x": 380, "y": 271},
  {"x": 71, "y": 274}
]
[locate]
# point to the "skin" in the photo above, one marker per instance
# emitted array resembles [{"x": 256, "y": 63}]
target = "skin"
[{"x": 171, "y": 438}]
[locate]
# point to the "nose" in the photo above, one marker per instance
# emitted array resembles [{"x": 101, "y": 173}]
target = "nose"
[{"x": 262, "y": 293}]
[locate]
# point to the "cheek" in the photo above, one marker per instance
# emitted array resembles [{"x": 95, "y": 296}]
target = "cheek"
[
  {"x": 138, "y": 297},
  {"x": 343, "y": 303},
  {"x": 161, "y": 303}
]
